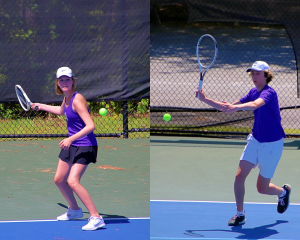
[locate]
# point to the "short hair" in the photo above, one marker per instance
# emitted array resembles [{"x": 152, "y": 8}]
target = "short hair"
[
  {"x": 58, "y": 91},
  {"x": 268, "y": 74}
]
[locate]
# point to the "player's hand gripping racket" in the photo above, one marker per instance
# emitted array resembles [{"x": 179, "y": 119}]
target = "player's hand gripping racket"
[
  {"x": 23, "y": 99},
  {"x": 206, "y": 51}
]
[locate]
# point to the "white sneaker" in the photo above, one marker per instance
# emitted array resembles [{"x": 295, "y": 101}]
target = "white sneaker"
[
  {"x": 94, "y": 223},
  {"x": 70, "y": 214}
]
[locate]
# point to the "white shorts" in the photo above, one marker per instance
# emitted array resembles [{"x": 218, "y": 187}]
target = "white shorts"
[{"x": 265, "y": 155}]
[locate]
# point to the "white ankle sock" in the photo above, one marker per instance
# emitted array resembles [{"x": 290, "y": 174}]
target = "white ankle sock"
[
  {"x": 283, "y": 192},
  {"x": 240, "y": 213}
]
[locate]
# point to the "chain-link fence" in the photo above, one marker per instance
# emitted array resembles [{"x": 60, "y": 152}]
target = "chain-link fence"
[
  {"x": 174, "y": 72},
  {"x": 105, "y": 43},
  {"x": 130, "y": 119}
]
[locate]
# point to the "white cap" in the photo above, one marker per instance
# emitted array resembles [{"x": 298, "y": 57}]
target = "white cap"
[
  {"x": 259, "y": 66},
  {"x": 64, "y": 71}
]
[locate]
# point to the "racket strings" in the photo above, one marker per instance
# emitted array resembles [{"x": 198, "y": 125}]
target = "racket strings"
[
  {"x": 22, "y": 98},
  {"x": 206, "y": 51}
]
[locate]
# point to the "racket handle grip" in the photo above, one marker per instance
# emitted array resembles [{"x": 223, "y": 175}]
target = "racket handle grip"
[
  {"x": 36, "y": 108},
  {"x": 200, "y": 86}
]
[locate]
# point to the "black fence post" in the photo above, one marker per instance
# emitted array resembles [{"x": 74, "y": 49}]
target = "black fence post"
[{"x": 125, "y": 119}]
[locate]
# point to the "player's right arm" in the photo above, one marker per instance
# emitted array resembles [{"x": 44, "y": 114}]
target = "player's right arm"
[
  {"x": 58, "y": 110},
  {"x": 211, "y": 102}
]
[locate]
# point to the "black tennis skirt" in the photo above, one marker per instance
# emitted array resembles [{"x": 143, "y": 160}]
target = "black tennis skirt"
[{"x": 83, "y": 154}]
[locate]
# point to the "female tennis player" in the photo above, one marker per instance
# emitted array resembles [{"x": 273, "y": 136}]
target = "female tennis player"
[
  {"x": 77, "y": 151},
  {"x": 264, "y": 144}
]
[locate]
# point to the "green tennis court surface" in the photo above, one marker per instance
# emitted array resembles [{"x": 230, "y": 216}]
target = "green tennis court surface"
[
  {"x": 118, "y": 183},
  {"x": 204, "y": 169}
]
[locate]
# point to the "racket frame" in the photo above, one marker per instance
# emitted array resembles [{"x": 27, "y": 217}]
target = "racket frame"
[
  {"x": 28, "y": 105},
  {"x": 199, "y": 62}
]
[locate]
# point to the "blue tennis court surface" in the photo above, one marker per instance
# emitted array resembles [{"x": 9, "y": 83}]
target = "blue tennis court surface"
[
  {"x": 181, "y": 220},
  {"x": 133, "y": 229}
]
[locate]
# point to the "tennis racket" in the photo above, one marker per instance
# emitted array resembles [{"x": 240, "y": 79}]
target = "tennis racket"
[
  {"x": 206, "y": 51},
  {"x": 23, "y": 99}
]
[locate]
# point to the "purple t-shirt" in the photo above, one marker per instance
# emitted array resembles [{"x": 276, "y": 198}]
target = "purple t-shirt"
[
  {"x": 75, "y": 124},
  {"x": 267, "y": 120}
]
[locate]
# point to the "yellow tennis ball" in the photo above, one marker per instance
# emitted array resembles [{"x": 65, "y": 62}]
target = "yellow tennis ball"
[
  {"x": 102, "y": 111},
  {"x": 167, "y": 117}
]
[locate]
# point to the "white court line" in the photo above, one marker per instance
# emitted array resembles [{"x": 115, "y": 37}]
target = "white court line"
[
  {"x": 202, "y": 238},
  {"x": 20, "y": 221},
  {"x": 155, "y": 200},
  {"x": 54, "y": 220}
]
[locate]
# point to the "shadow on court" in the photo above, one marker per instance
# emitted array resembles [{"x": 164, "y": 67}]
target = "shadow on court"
[
  {"x": 209, "y": 220},
  {"x": 195, "y": 142},
  {"x": 218, "y": 142},
  {"x": 293, "y": 143},
  {"x": 246, "y": 233},
  {"x": 120, "y": 218}
]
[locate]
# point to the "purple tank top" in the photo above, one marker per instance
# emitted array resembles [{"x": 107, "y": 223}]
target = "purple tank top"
[{"x": 75, "y": 124}]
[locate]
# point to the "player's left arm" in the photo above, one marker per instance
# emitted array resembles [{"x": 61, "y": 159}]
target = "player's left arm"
[
  {"x": 81, "y": 107},
  {"x": 249, "y": 106},
  {"x": 236, "y": 102}
]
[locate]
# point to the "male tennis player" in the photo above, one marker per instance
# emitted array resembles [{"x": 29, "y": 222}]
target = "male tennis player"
[
  {"x": 77, "y": 151},
  {"x": 264, "y": 144}
]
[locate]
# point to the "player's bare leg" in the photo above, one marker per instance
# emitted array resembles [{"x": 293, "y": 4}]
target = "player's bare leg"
[
  {"x": 75, "y": 175},
  {"x": 60, "y": 179},
  {"x": 239, "y": 184},
  {"x": 264, "y": 186}
]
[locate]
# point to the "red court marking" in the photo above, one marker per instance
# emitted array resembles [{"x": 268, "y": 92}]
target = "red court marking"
[
  {"x": 109, "y": 147},
  {"x": 43, "y": 170},
  {"x": 109, "y": 167}
]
